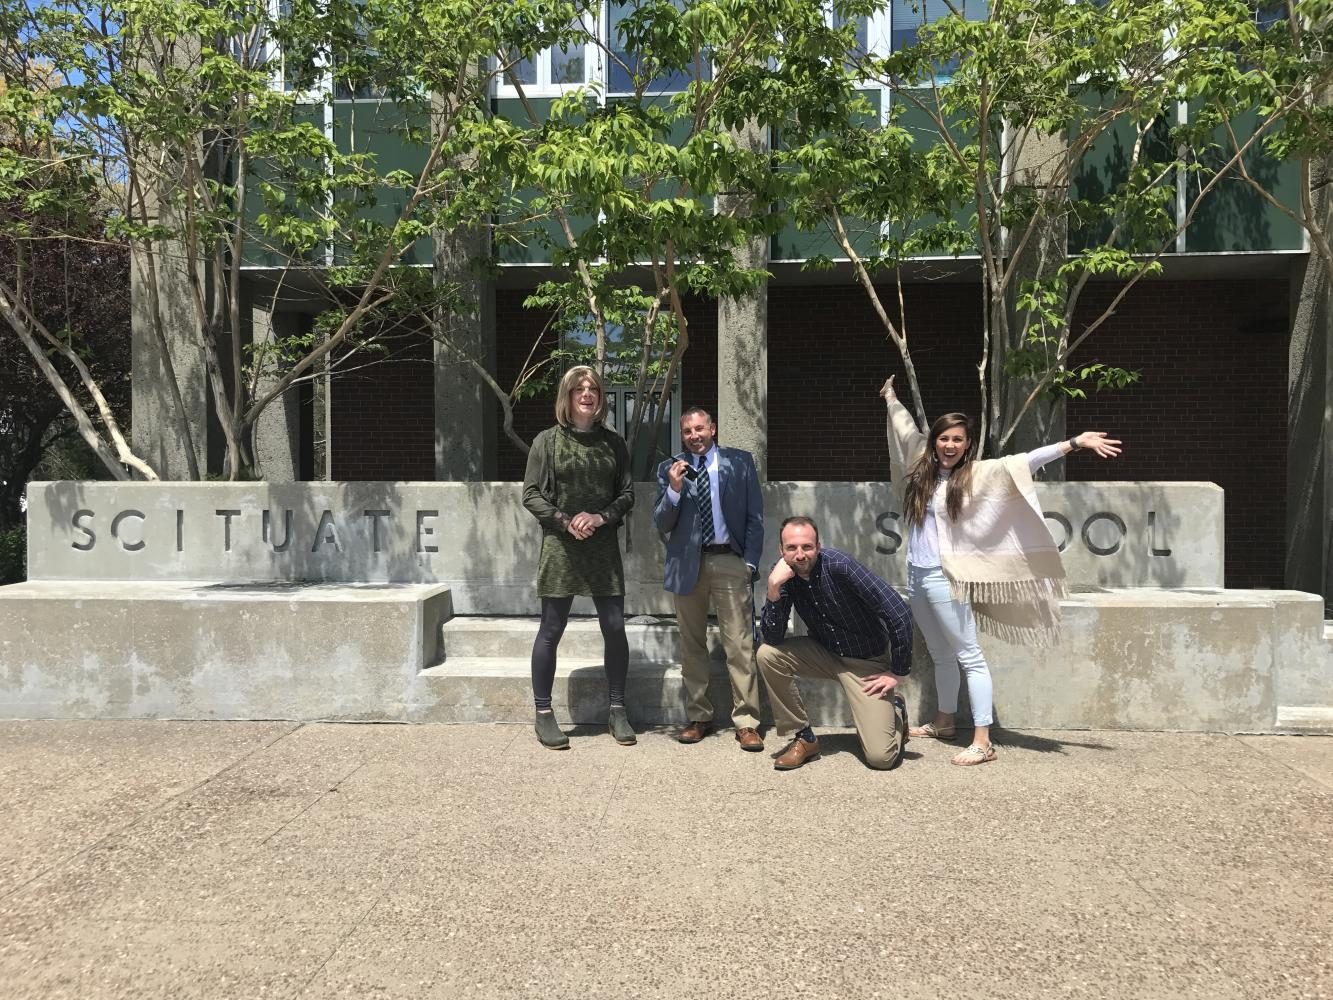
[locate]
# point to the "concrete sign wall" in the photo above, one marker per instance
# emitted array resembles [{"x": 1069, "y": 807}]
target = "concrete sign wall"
[{"x": 478, "y": 539}]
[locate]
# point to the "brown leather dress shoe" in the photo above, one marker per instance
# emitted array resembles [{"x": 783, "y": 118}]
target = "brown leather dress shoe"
[
  {"x": 796, "y": 754},
  {"x": 694, "y": 732},
  {"x": 749, "y": 739}
]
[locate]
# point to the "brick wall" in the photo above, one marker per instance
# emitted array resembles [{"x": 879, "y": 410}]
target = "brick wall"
[
  {"x": 516, "y": 331},
  {"x": 828, "y": 354},
  {"x": 698, "y": 383},
  {"x": 383, "y": 413},
  {"x": 1212, "y": 404}
]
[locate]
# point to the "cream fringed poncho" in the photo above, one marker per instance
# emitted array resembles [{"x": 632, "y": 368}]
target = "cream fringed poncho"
[{"x": 999, "y": 554}]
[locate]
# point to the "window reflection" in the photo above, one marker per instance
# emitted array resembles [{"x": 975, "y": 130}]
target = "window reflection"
[
  {"x": 908, "y": 17},
  {"x": 554, "y": 67},
  {"x": 626, "y": 65}
]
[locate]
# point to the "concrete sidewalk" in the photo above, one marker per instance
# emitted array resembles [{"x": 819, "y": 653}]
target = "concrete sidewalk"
[{"x": 220, "y": 860}]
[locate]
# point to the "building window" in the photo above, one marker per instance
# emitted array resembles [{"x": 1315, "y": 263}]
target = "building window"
[
  {"x": 1268, "y": 14},
  {"x": 908, "y": 17},
  {"x": 553, "y": 69},
  {"x": 649, "y": 448},
  {"x": 287, "y": 75},
  {"x": 861, "y": 46},
  {"x": 352, "y": 70},
  {"x": 627, "y": 66}
]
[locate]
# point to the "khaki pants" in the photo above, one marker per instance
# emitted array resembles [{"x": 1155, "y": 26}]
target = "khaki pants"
[
  {"x": 724, "y": 582},
  {"x": 876, "y": 721}
]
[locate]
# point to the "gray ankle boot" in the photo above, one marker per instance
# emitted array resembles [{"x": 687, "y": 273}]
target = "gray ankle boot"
[
  {"x": 548, "y": 732},
  {"x": 618, "y": 723}
]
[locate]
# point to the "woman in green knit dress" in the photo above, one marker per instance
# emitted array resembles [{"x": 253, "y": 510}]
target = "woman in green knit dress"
[{"x": 578, "y": 487}]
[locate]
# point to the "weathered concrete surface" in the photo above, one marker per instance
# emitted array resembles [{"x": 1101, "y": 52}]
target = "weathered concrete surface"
[
  {"x": 465, "y": 409},
  {"x": 277, "y": 436},
  {"x": 1229, "y": 660},
  {"x": 1302, "y": 707},
  {"x": 1195, "y": 660},
  {"x": 1135, "y": 659},
  {"x": 1040, "y": 163},
  {"x": 477, "y": 539},
  {"x": 742, "y": 336},
  {"x": 244, "y": 860},
  {"x": 210, "y": 651},
  {"x": 162, "y": 347}
]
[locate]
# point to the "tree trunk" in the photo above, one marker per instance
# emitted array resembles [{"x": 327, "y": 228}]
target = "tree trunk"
[{"x": 1309, "y": 557}]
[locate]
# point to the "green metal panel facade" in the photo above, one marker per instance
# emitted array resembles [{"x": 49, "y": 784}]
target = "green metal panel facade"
[
  {"x": 792, "y": 243},
  {"x": 381, "y": 129},
  {"x": 261, "y": 251},
  {"x": 1106, "y": 165},
  {"x": 1233, "y": 216}
]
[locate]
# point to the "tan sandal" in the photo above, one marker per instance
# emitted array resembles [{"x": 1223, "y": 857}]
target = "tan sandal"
[
  {"x": 931, "y": 732},
  {"x": 974, "y": 755}
]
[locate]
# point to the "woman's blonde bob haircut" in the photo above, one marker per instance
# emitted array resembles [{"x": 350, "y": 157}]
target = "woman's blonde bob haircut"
[{"x": 575, "y": 377}]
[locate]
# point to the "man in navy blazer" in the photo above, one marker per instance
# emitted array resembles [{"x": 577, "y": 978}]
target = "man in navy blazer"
[{"x": 710, "y": 512}]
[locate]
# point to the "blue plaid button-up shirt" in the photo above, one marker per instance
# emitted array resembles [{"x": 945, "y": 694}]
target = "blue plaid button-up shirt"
[{"x": 848, "y": 610}]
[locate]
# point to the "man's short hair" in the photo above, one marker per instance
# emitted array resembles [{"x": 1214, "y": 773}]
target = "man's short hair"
[
  {"x": 800, "y": 520},
  {"x": 698, "y": 409}
]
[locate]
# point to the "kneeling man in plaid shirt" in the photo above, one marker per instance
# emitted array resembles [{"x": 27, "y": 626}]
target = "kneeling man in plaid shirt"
[{"x": 860, "y": 635}]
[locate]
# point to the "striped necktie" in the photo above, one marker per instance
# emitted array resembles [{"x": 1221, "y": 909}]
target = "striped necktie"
[{"x": 703, "y": 496}]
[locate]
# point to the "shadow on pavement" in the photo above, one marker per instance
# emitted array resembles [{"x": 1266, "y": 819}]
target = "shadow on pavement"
[{"x": 1041, "y": 744}]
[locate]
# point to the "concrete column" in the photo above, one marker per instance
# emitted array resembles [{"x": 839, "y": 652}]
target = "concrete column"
[
  {"x": 465, "y": 423},
  {"x": 1309, "y": 562},
  {"x": 277, "y": 440},
  {"x": 169, "y": 410},
  {"x": 464, "y": 333},
  {"x": 1038, "y": 164},
  {"x": 742, "y": 345},
  {"x": 163, "y": 326}
]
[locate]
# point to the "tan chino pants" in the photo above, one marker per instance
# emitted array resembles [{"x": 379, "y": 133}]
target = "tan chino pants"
[
  {"x": 802, "y": 656},
  {"x": 724, "y": 583}
]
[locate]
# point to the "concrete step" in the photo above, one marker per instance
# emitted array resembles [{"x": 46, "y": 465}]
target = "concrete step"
[
  {"x": 1235, "y": 661},
  {"x": 149, "y": 649},
  {"x": 477, "y": 636},
  {"x": 1311, "y": 718},
  {"x": 499, "y": 689}
]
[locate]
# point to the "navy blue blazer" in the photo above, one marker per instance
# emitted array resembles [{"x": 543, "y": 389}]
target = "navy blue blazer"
[{"x": 742, "y": 509}]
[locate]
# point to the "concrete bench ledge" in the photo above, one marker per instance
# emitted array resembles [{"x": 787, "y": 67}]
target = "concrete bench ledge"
[
  {"x": 206, "y": 590},
  {"x": 192, "y": 650},
  {"x": 1196, "y": 659}
]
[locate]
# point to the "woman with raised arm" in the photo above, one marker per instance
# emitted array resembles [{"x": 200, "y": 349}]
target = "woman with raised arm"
[
  {"x": 978, "y": 553},
  {"x": 579, "y": 488}
]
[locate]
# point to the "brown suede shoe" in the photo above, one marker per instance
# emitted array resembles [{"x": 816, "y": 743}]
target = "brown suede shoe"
[
  {"x": 694, "y": 732},
  {"x": 749, "y": 739},
  {"x": 796, "y": 754}
]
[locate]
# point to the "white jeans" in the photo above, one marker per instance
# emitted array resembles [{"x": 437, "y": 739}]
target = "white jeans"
[{"x": 950, "y": 632}]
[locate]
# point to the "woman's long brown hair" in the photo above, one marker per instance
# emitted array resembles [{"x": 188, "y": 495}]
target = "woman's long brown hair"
[{"x": 924, "y": 475}]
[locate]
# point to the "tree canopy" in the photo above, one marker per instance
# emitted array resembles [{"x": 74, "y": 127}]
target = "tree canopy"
[{"x": 322, "y": 147}]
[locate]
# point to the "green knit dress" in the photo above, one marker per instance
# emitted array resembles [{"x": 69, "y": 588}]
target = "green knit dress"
[{"x": 587, "y": 478}]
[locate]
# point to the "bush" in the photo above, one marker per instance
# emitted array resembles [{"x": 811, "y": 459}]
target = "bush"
[{"x": 14, "y": 554}]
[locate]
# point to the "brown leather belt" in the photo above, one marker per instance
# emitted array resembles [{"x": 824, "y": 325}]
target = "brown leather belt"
[{"x": 717, "y": 550}]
